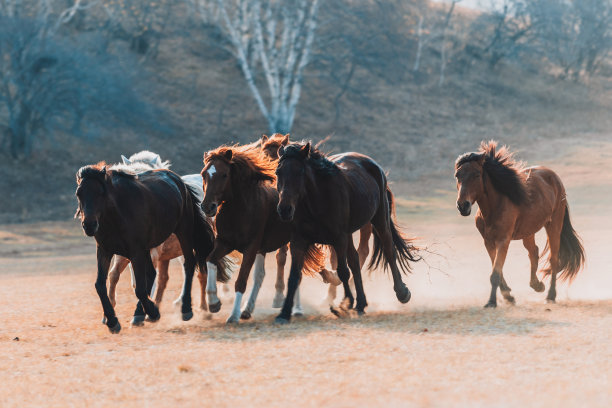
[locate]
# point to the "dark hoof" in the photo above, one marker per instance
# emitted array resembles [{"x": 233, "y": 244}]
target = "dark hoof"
[
  {"x": 154, "y": 317},
  {"x": 538, "y": 287},
  {"x": 339, "y": 311},
  {"x": 138, "y": 320},
  {"x": 490, "y": 304},
  {"x": 214, "y": 308},
  {"x": 104, "y": 320},
  {"x": 361, "y": 312},
  {"x": 187, "y": 316},
  {"x": 403, "y": 295},
  {"x": 281, "y": 320},
  {"x": 550, "y": 301},
  {"x": 510, "y": 300},
  {"x": 245, "y": 315},
  {"x": 116, "y": 328}
]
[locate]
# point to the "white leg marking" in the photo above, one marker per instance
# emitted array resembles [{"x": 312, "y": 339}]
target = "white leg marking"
[
  {"x": 211, "y": 284},
  {"x": 331, "y": 295},
  {"x": 235, "y": 316},
  {"x": 133, "y": 276},
  {"x": 258, "y": 277},
  {"x": 179, "y": 300},
  {"x": 297, "y": 305}
]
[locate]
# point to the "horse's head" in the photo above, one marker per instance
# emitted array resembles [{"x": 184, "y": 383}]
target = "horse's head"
[
  {"x": 291, "y": 175},
  {"x": 270, "y": 145},
  {"x": 469, "y": 176},
  {"x": 91, "y": 194},
  {"x": 216, "y": 177}
]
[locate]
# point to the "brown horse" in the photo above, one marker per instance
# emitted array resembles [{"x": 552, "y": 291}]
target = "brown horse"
[
  {"x": 513, "y": 204},
  {"x": 239, "y": 190},
  {"x": 326, "y": 200},
  {"x": 270, "y": 146}
]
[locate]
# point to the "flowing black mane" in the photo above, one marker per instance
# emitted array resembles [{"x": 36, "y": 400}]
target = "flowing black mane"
[
  {"x": 99, "y": 172},
  {"x": 316, "y": 159},
  {"x": 502, "y": 169}
]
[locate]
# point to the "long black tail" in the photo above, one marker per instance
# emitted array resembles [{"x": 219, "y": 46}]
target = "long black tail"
[
  {"x": 571, "y": 251},
  {"x": 404, "y": 249},
  {"x": 204, "y": 240}
]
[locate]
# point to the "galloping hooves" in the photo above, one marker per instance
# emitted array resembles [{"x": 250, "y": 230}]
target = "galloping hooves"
[
  {"x": 490, "y": 304},
  {"x": 510, "y": 300},
  {"x": 245, "y": 315},
  {"x": 537, "y": 286},
  {"x": 214, "y": 308},
  {"x": 403, "y": 295},
  {"x": 116, "y": 328},
  {"x": 361, "y": 312},
  {"x": 278, "y": 301},
  {"x": 338, "y": 311},
  {"x": 550, "y": 301},
  {"x": 186, "y": 316},
  {"x": 281, "y": 320},
  {"x": 138, "y": 320}
]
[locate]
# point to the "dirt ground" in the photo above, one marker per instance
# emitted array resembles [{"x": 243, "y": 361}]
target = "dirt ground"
[{"x": 441, "y": 349}]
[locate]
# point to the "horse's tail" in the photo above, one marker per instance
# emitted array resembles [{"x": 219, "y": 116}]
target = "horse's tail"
[
  {"x": 314, "y": 259},
  {"x": 403, "y": 248},
  {"x": 571, "y": 251},
  {"x": 204, "y": 239}
]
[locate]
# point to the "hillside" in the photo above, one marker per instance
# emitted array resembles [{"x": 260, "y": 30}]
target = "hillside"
[{"x": 414, "y": 128}]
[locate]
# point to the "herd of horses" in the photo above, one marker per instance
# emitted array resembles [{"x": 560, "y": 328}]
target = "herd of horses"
[{"x": 277, "y": 195}]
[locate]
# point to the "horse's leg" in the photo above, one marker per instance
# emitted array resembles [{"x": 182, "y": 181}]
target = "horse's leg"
[
  {"x": 281, "y": 260},
  {"x": 534, "y": 256},
  {"x": 297, "y": 309},
  {"x": 104, "y": 260},
  {"x": 364, "y": 243},
  {"x": 553, "y": 230},
  {"x": 503, "y": 286},
  {"x": 258, "y": 277},
  {"x": 298, "y": 252},
  {"x": 144, "y": 274},
  {"x": 501, "y": 250},
  {"x": 344, "y": 275},
  {"x": 179, "y": 300},
  {"x": 332, "y": 288},
  {"x": 162, "y": 279},
  {"x": 119, "y": 264},
  {"x": 241, "y": 282},
  {"x": 219, "y": 251},
  {"x": 353, "y": 261},
  {"x": 202, "y": 275}
]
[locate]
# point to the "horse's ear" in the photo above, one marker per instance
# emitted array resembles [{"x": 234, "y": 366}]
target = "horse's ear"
[
  {"x": 228, "y": 154},
  {"x": 305, "y": 151},
  {"x": 125, "y": 160},
  {"x": 77, "y": 214},
  {"x": 158, "y": 160},
  {"x": 281, "y": 151},
  {"x": 285, "y": 140},
  {"x": 264, "y": 139}
]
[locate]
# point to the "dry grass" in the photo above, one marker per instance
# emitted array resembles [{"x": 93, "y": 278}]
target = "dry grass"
[{"x": 442, "y": 349}]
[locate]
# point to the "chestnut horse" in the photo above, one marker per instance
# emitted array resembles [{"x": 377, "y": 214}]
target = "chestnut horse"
[
  {"x": 513, "y": 204},
  {"x": 327, "y": 199},
  {"x": 270, "y": 146},
  {"x": 130, "y": 213},
  {"x": 239, "y": 190}
]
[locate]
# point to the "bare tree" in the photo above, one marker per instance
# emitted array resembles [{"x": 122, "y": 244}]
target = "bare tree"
[
  {"x": 271, "y": 41},
  {"x": 444, "y": 46}
]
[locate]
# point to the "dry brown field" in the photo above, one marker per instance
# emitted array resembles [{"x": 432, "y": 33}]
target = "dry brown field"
[{"x": 441, "y": 349}]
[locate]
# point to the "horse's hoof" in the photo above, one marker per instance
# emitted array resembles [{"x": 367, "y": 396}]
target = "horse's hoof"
[
  {"x": 361, "y": 312},
  {"x": 281, "y": 320},
  {"x": 346, "y": 304},
  {"x": 278, "y": 301},
  {"x": 538, "y": 286},
  {"x": 187, "y": 316},
  {"x": 214, "y": 308},
  {"x": 403, "y": 295},
  {"x": 298, "y": 313},
  {"x": 104, "y": 320},
  {"x": 138, "y": 320},
  {"x": 551, "y": 301},
  {"x": 510, "y": 300},
  {"x": 116, "y": 328},
  {"x": 232, "y": 320},
  {"x": 245, "y": 315},
  {"x": 155, "y": 316},
  {"x": 490, "y": 304},
  {"x": 338, "y": 312}
]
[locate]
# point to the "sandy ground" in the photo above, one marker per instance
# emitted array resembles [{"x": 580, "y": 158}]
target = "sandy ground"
[{"x": 442, "y": 349}]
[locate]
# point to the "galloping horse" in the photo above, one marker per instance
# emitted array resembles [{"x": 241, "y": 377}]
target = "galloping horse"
[
  {"x": 239, "y": 190},
  {"x": 513, "y": 204},
  {"x": 130, "y": 213},
  {"x": 326, "y": 200},
  {"x": 270, "y": 146},
  {"x": 170, "y": 248}
]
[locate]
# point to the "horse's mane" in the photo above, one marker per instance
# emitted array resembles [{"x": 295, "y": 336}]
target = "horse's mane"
[
  {"x": 149, "y": 158},
  {"x": 502, "y": 169},
  {"x": 316, "y": 159},
  {"x": 274, "y": 142},
  {"x": 99, "y": 171},
  {"x": 248, "y": 161}
]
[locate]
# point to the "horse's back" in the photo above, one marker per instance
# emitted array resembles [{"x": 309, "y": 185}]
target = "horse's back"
[{"x": 543, "y": 182}]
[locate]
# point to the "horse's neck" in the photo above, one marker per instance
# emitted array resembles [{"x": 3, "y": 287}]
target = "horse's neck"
[{"x": 490, "y": 200}]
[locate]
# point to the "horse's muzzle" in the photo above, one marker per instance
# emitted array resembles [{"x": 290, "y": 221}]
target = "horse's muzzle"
[
  {"x": 285, "y": 212},
  {"x": 465, "y": 208},
  {"x": 90, "y": 227},
  {"x": 210, "y": 209}
]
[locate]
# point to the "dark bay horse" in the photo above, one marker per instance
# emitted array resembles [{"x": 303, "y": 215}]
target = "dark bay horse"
[
  {"x": 270, "y": 146},
  {"x": 239, "y": 189},
  {"x": 326, "y": 200},
  {"x": 128, "y": 214},
  {"x": 513, "y": 204}
]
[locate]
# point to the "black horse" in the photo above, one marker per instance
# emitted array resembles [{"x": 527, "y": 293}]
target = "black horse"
[
  {"x": 327, "y": 199},
  {"x": 128, "y": 214}
]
